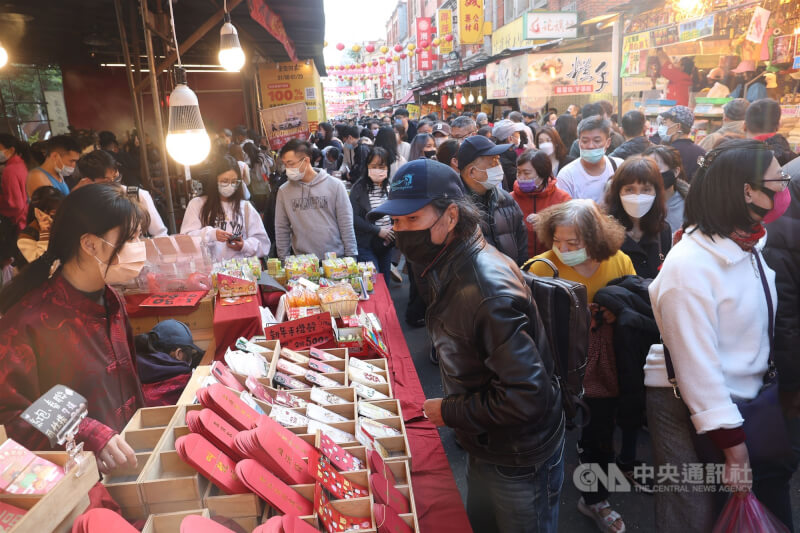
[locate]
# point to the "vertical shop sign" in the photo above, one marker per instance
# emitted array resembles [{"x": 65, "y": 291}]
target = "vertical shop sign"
[
  {"x": 470, "y": 21},
  {"x": 445, "y": 18},
  {"x": 758, "y": 25},
  {"x": 424, "y": 34}
]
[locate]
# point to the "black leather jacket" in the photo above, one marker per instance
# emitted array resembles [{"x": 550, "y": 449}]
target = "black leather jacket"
[
  {"x": 503, "y": 224},
  {"x": 501, "y": 394}
]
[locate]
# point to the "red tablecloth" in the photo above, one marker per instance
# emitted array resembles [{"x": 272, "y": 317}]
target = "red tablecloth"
[
  {"x": 234, "y": 321},
  {"x": 439, "y": 506}
]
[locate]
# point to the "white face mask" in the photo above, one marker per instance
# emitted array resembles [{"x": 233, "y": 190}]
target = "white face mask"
[
  {"x": 377, "y": 175},
  {"x": 66, "y": 171},
  {"x": 295, "y": 174},
  {"x": 637, "y": 205},
  {"x": 494, "y": 177},
  {"x": 131, "y": 257},
  {"x": 547, "y": 148},
  {"x": 439, "y": 141},
  {"x": 226, "y": 190},
  {"x": 573, "y": 258}
]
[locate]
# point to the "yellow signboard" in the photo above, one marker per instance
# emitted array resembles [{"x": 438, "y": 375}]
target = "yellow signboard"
[
  {"x": 509, "y": 36},
  {"x": 470, "y": 21},
  {"x": 445, "y": 27},
  {"x": 289, "y": 83}
]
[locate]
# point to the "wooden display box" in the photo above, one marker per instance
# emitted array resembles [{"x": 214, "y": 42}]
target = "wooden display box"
[
  {"x": 234, "y": 506},
  {"x": 382, "y": 388},
  {"x": 56, "y": 510},
  {"x": 402, "y": 473},
  {"x": 273, "y": 356},
  {"x": 200, "y": 323},
  {"x": 398, "y": 446},
  {"x": 170, "y": 522}
]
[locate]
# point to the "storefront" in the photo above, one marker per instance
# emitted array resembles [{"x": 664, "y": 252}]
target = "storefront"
[
  {"x": 465, "y": 92},
  {"x": 747, "y": 49}
]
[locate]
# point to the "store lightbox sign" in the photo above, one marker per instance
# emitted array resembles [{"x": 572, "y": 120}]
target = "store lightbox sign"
[{"x": 550, "y": 25}]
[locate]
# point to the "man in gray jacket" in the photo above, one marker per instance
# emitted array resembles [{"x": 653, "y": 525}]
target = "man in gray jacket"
[{"x": 313, "y": 214}]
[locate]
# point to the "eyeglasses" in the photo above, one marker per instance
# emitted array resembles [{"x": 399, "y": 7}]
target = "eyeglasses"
[
  {"x": 783, "y": 180},
  {"x": 230, "y": 182}
]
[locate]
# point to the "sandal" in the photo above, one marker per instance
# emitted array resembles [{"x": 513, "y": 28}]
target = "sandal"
[{"x": 605, "y": 521}]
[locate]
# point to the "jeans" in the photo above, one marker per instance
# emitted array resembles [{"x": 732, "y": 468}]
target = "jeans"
[
  {"x": 515, "y": 499},
  {"x": 382, "y": 259}
]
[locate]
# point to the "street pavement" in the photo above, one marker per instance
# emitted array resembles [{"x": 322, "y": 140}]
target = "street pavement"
[{"x": 637, "y": 509}]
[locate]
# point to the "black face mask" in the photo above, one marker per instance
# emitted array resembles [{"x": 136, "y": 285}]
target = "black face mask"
[
  {"x": 417, "y": 245},
  {"x": 430, "y": 154},
  {"x": 762, "y": 211},
  {"x": 669, "y": 178}
]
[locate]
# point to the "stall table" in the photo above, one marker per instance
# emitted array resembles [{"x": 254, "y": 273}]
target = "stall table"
[{"x": 234, "y": 321}]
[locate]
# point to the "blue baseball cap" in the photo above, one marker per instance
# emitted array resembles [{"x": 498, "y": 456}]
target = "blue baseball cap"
[
  {"x": 478, "y": 146},
  {"x": 415, "y": 185},
  {"x": 171, "y": 334}
]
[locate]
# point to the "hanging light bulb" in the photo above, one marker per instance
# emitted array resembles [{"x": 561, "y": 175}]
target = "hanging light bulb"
[
  {"x": 480, "y": 98},
  {"x": 3, "y": 56},
  {"x": 449, "y": 101},
  {"x": 471, "y": 98},
  {"x": 187, "y": 140},
  {"x": 231, "y": 55}
]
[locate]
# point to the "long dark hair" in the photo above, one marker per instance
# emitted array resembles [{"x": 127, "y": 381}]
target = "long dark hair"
[
  {"x": 387, "y": 140},
  {"x": 567, "y": 128},
  {"x": 418, "y": 146},
  {"x": 212, "y": 210},
  {"x": 21, "y": 148},
  {"x": 95, "y": 209},
  {"x": 715, "y": 203},
  {"x": 561, "y": 151},
  {"x": 638, "y": 169},
  {"x": 383, "y": 155},
  {"x": 44, "y": 199}
]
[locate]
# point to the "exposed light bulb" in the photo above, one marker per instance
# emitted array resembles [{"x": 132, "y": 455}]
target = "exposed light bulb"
[
  {"x": 3, "y": 56},
  {"x": 471, "y": 98},
  {"x": 449, "y": 101},
  {"x": 480, "y": 98},
  {"x": 187, "y": 140},
  {"x": 231, "y": 55}
]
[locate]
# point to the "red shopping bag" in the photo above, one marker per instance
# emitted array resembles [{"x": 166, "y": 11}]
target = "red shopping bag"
[{"x": 744, "y": 514}]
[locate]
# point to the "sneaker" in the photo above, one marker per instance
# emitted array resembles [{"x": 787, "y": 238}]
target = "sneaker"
[
  {"x": 641, "y": 483},
  {"x": 396, "y": 275}
]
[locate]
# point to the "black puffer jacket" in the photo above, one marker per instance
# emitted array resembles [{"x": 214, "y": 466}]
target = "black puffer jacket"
[
  {"x": 648, "y": 254},
  {"x": 502, "y": 223},
  {"x": 508, "y": 160},
  {"x": 501, "y": 394},
  {"x": 782, "y": 254},
  {"x": 634, "y": 146}
]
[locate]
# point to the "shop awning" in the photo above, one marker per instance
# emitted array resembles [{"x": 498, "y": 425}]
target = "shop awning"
[{"x": 407, "y": 99}]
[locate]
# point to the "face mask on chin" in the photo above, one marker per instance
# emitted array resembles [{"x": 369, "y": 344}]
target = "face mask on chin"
[
  {"x": 418, "y": 245},
  {"x": 131, "y": 259}
]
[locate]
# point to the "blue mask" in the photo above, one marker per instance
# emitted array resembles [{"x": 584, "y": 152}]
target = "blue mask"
[
  {"x": 349, "y": 146},
  {"x": 594, "y": 155},
  {"x": 398, "y": 122}
]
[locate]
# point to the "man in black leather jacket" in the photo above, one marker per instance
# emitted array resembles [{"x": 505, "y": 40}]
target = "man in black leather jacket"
[
  {"x": 502, "y": 222},
  {"x": 501, "y": 394}
]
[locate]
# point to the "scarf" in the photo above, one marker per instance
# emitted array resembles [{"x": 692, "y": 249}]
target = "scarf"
[{"x": 747, "y": 240}]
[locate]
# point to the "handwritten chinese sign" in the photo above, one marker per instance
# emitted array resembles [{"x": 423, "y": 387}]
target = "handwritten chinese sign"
[
  {"x": 445, "y": 18},
  {"x": 315, "y": 330},
  {"x": 470, "y": 21},
  {"x": 550, "y": 25}
]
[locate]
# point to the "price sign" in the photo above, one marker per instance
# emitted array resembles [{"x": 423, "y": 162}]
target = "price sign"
[
  {"x": 315, "y": 330},
  {"x": 174, "y": 299},
  {"x": 56, "y": 413}
]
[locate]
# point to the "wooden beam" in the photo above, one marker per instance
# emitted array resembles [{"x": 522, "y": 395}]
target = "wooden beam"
[{"x": 198, "y": 34}]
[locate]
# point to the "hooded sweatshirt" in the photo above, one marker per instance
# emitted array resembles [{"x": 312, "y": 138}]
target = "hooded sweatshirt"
[
  {"x": 533, "y": 202},
  {"x": 314, "y": 218}
]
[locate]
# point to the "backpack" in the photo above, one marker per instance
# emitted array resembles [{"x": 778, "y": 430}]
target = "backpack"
[{"x": 564, "y": 308}]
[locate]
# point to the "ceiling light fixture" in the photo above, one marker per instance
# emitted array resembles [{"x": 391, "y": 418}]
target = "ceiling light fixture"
[{"x": 231, "y": 55}]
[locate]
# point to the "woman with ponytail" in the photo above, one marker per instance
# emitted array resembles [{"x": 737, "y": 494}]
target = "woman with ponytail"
[{"x": 62, "y": 324}]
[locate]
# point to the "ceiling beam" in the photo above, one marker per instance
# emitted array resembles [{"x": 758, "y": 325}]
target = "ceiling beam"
[{"x": 198, "y": 34}]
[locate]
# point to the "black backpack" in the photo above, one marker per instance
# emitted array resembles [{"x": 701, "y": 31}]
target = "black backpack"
[{"x": 564, "y": 309}]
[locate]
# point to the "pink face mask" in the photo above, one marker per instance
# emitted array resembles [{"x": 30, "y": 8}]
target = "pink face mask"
[{"x": 780, "y": 203}]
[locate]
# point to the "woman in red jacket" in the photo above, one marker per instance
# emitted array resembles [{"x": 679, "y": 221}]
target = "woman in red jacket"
[
  {"x": 13, "y": 198},
  {"x": 534, "y": 190},
  {"x": 62, "y": 324}
]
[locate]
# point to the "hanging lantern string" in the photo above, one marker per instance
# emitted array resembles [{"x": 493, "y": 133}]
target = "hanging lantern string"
[{"x": 174, "y": 34}]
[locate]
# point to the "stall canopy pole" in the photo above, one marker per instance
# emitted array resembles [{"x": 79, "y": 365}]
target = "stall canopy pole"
[
  {"x": 137, "y": 117},
  {"x": 151, "y": 65},
  {"x": 616, "y": 62}
]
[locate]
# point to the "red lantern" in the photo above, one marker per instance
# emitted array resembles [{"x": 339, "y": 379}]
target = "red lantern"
[
  {"x": 388, "y": 59},
  {"x": 340, "y": 47},
  {"x": 370, "y": 48},
  {"x": 397, "y": 48},
  {"x": 448, "y": 37},
  {"x": 424, "y": 44},
  {"x": 374, "y": 62},
  {"x": 403, "y": 56},
  {"x": 363, "y": 65}
]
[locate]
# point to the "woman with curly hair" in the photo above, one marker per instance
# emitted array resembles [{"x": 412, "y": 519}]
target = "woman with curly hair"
[{"x": 585, "y": 248}]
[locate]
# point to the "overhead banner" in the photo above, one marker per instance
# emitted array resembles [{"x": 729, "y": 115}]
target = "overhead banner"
[
  {"x": 538, "y": 77},
  {"x": 284, "y": 123},
  {"x": 270, "y": 21},
  {"x": 470, "y": 21},
  {"x": 425, "y": 56},
  {"x": 445, "y": 27},
  {"x": 550, "y": 25}
]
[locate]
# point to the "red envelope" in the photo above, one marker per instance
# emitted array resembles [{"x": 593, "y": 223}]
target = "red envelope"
[
  {"x": 195, "y": 523},
  {"x": 333, "y": 520},
  {"x": 337, "y": 455},
  {"x": 379, "y": 467},
  {"x": 318, "y": 354},
  {"x": 272, "y": 490},
  {"x": 229, "y": 406},
  {"x": 224, "y": 376},
  {"x": 333, "y": 481},
  {"x": 388, "y": 521},
  {"x": 215, "y": 429},
  {"x": 207, "y": 459},
  {"x": 388, "y": 495},
  {"x": 273, "y": 525}
]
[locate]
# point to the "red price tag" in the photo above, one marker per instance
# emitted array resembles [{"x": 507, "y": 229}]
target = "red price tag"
[
  {"x": 174, "y": 299},
  {"x": 314, "y": 330}
]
